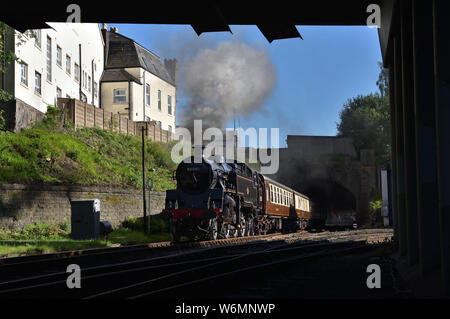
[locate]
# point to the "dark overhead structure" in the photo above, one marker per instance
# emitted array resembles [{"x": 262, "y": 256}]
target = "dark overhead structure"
[
  {"x": 415, "y": 45},
  {"x": 416, "y": 49},
  {"x": 275, "y": 21}
]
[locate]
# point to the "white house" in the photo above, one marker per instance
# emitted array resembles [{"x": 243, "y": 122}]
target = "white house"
[
  {"x": 136, "y": 83},
  {"x": 65, "y": 60}
]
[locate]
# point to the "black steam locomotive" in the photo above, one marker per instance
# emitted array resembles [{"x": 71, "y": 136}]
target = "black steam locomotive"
[{"x": 215, "y": 199}]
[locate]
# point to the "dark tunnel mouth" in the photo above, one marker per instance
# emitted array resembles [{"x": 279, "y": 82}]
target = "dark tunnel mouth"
[{"x": 329, "y": 195}]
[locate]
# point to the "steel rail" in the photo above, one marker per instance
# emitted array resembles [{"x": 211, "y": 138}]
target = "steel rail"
[
  {"x": 320, "y": 253},
  {"x": 129, "y": 263},
  {"x": 291, "y": 244},
  {"x": 215, "y": 264}
]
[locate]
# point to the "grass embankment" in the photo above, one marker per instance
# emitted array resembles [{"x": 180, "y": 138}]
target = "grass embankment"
[
  {"x": 45, "y": 238},
  {"x": 48, "y": 153}
]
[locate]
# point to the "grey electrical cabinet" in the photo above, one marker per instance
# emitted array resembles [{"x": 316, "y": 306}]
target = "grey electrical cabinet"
[{"x": 85, "y": 219}]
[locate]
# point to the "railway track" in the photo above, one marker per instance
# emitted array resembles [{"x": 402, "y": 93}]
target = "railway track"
[{"x": 140, "y": 275}]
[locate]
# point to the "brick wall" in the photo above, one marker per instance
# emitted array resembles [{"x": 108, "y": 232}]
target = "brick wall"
[{"x": 22, "y": 205}]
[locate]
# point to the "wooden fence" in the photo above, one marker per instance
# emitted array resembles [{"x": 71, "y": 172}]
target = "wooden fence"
[{"x": 82, "y": 114}]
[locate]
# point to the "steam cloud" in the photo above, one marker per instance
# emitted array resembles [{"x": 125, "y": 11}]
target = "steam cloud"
[{"x": 233, "y": 79}]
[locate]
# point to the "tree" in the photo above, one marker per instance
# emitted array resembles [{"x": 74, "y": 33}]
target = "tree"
[
  {"x": 383, "y": 80},
  {"x": 365, "y": 118},
  {"x": 6, "y": 57}
]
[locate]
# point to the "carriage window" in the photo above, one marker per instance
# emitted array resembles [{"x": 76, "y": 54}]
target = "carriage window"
[{"x": 274, "y": 199}]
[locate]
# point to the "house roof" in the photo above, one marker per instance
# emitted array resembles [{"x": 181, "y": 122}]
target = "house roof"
[
  {"x": 124, "y": 52},
  {"x": 118, "y": 75}
]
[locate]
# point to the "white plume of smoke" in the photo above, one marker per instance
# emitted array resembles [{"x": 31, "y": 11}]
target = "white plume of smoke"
[{"x": 231, "y": 80}]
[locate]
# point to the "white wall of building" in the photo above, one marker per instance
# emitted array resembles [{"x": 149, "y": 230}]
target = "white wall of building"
[
  {"x": 152, "y": 111},
  {"x": 139, "y": 113},
  {"x": 67, "y": 36}
]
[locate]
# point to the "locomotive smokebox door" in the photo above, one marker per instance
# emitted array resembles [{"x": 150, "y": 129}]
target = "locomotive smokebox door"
[{"x": 85, "y": 219}]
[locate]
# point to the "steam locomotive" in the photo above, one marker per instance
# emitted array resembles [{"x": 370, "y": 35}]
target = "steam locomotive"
[{"x": 215, "y": 199}]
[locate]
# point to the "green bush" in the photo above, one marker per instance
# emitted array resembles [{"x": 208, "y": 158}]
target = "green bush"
[
  {"x": 2, "y": 121},
  {"x": 157, "y": 224},
  {"x": 376, "y": 204},
  {"x": 37, "y": 231}
]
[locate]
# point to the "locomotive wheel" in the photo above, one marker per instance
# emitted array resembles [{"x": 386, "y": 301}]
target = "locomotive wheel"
[
  {"x": 225, "y": 231},
  {"x": 234, "y": 233},
  {"x": 213, "y": 229},
  {"x": 249, "y": 227},
  {"x": 242, "y": 231},
  {"x": 176, "y": 237},
  {"x": 175, "y": 231}
]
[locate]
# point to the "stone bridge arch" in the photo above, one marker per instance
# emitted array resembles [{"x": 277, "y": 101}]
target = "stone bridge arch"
[{"x": 328, "y": 170}]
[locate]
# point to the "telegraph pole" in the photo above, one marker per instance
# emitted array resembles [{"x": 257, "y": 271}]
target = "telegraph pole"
[
  {"x": 234, "y": 137},
  {"x": 144, "y": 204}
]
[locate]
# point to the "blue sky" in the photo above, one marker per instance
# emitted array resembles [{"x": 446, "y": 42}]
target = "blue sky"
[{"x": 315, "y": 76}]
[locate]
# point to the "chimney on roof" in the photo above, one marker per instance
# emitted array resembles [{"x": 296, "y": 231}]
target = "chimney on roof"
[
  {"x": 171, "y": 67},
  {"x": 105, "y": 26},
  {"x": 114, "y": 29}
]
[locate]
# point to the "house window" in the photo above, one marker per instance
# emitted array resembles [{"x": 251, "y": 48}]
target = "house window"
[
  {"x": 169, "y": 104},
  {"x": 58, "y": 56},
  {"x": 147, "y": 119},
  {"x": 68, "y": 64},
  {"x": 120, "y": 96},
  {"x": 169, "y": 128},
  {"x": 37, "y": 82},
  {"x": 24, "y": 73},
  {"x": 95, "y": 89},
  {"x": 58, "y": 93},
  {"x": 89, "y": 84},
  {"x": 77, "y": 72},
  {"x": 147, "y": 94},
  {"x": 159, "y": 100},
  {"x": 49, "y": 59},
  {"x": 158, "y": 124},
  {"x": 37, "y": 38}
]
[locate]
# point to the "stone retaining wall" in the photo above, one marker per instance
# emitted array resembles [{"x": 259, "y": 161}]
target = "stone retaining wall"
[{"x": 22, "y": 205}]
